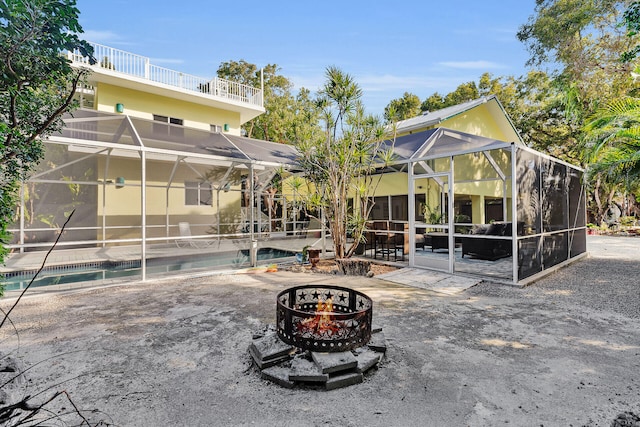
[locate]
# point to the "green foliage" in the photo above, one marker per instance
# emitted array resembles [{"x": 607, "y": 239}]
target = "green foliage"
[
  {"x": 612, "y": 142},
  {"x": 631, "y": 20},
  {"x": 434, "y": 102},
  {"x": 341, "y": 163},
  {"x": 37, "y": 85},
  {"x": 432, "y": 215},
  {"x": 611, "y": 148},
  {"x": 464, "y": 92},
  {"x": 557, "y": 28},
  {"x": 402, "y": 108},
  {"x": 534, "y": 102},
  {"x": 589, "y": 106},
  {"x": 628, "y": 221},
  {"x": 287, "y": 117},
  {"x": 584, "y": 39}
]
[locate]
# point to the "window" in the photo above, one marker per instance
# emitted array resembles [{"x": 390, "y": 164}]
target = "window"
[
  {"x": 493, "y": 209},
  {"x": 420, "y": 201},
  {"x": 197, "y": 193},
  {"x": 380, "y": 210},
  {"x": 216, "y": 128},
  {"x": 163, "y": 129},
  {"x": 400, "y": 208}
]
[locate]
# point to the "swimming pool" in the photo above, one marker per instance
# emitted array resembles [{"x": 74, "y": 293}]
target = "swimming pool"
[{"x": 96, "y": 273}]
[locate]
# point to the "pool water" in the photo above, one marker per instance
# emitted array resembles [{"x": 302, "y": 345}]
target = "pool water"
[{"x": 111, "y": 272}]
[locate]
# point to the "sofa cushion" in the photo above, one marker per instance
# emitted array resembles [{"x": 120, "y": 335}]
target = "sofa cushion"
[
  {"x": 479, "y": 229},
  {"x": 498, "y": 229}
]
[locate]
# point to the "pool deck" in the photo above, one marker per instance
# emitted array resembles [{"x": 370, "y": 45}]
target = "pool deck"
[{"x": 29, "y": 261}]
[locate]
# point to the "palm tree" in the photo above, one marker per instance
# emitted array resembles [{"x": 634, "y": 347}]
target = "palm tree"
[
  {"x": 612, "y": 148},
  {"x": 341, "y": 164}
]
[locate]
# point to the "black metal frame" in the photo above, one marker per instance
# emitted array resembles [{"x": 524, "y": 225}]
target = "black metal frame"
[{"x": 349, "y": 322}]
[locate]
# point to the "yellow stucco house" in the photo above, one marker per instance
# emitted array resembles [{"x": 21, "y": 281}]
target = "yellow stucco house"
[
  {"x": 154, "y": 157},
  {"x": 161, "y": 180},
  {"x": 483, "y": 117}
]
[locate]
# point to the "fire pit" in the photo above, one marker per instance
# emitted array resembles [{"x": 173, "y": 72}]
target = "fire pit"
[
  {"x": 324, "y": 318},
  {"x": 322, "y": 337}
]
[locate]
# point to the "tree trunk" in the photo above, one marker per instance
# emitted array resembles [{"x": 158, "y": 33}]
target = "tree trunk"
[
  {"x": 354, "y": 267},
  {"x": 596, "y": 197}
]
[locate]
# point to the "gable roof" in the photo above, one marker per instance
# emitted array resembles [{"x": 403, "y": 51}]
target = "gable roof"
[
  {"x": 434, "y": 118},
  {"x": 440, "y": 142}
]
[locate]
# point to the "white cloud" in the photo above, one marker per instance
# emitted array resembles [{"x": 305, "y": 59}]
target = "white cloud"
[
  {"x": 101, "y": 37},
  {"x": 388, "y": 82},
  {"x": 472, "y": 65},
  {"x": 312, "y": 81},
  {"x": 380, "y": 83}
]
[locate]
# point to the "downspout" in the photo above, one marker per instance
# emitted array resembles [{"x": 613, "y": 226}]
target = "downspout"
[
  {"x": 167, "y": 191},
  {"x": 104, "y": 199},
  {"x": 143, "y": 214},
  {"x": 514, "y": 214},
  {"x": 452, "y": 228},
  {"x": 262, "y": 87},
  {"x": 22, "y": 216},
  {"x": 412, "y": 215},
  {"x": 253, "y": 249}
]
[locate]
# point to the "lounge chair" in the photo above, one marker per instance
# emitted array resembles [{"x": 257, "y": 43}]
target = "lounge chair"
[{"x": 187, "y": 239}]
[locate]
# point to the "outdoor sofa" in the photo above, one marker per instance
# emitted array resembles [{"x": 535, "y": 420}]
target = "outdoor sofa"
[{"x": 488, "y": 248}]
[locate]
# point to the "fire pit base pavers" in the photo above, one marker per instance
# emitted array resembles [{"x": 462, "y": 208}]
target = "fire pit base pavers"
[
  {"x": 366, "y": 358},
  {"x": 378, "y": 342},
  {"x": 305, "y": 370},
  {"x": 289, "y": 366},
  {"x": 343, "y": 380},
  {"x": 334, "y": 362},
  {"x": 268, "y": 350}
]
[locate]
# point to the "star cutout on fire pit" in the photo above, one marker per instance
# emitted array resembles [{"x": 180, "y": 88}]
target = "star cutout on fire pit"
[
  {"x": 302, "y": 296},
  {"x": 329, "y": 295},
  {"x": 342, "y": 297},
  {"x": 315, "y": 294},
  {"x": 361, "y": 303}
]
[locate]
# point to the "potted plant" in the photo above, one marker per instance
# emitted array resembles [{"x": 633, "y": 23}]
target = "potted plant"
[
  {"x": 303, "y": 257},
  {"x": 314, "y": 256},
  {"x": 432, "y": 216}
]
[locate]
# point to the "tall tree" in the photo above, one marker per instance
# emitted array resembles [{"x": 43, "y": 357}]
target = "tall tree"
[
  {"x": 279, "y": 102},
  {"x": 37, "y": 86},
  {"x": 612, "y": 142},
  {"x": 536, "y": 105},
  {"x": 340, "y": 165},
  {"x": 305, "y": 119},
  {"x": 464, "y": 92},
  {"x": 631, "y": 20},
  {"x": 402, "y": 108},
  {"x": 584, "y": 40},
  {"x": 434, "y": 102}
]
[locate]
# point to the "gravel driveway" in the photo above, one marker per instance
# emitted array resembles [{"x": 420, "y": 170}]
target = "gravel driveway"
[{"x": 564, "y": 351}]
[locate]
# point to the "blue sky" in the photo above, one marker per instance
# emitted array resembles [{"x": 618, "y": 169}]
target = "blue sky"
[{"x": 388, "y": 47}]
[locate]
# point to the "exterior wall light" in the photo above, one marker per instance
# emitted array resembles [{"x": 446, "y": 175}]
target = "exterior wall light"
[
  {"x": 120, "y": 182},
  {"x": 226, "y": 127},
  {"x": 119, "y": 108}
]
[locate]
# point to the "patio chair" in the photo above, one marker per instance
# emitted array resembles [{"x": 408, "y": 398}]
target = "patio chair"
[{"x": 187, "y": 240}]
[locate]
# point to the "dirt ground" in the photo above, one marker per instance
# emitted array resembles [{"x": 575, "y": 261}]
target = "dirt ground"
[
  {"x": 329, "y": 266},
  {"x": 174, "y": 352}
]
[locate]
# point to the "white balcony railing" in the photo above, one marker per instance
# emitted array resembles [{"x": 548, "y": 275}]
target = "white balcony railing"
[{"x": 120, "y": 61}]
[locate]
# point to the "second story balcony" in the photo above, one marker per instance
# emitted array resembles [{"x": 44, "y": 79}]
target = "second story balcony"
[{"x": 125, "y": 64}]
